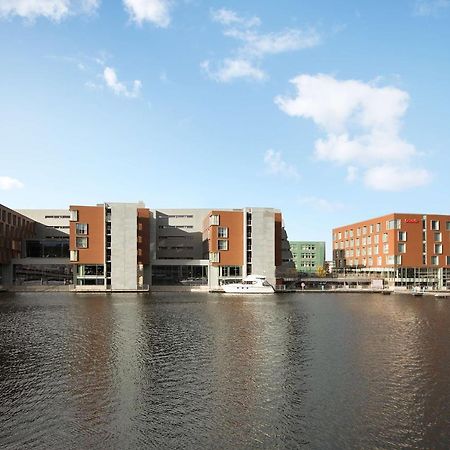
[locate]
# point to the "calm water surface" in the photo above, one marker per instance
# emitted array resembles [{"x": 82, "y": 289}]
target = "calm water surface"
[{"x": 210, "y": 371}]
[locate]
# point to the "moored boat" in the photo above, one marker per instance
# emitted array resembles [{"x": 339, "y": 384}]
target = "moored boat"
[{"x": 252, "y": 284}]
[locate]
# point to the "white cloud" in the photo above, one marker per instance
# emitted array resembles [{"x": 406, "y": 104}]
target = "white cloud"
[
  {"x": 154, "y": 11},
  {"x": 361, "y": 122},
  {"x": 430, "y": 7},
  {"x": 55, "y": 10},
  {"x": 277, "y": 166},
  {"x": 255, "y": 46},
  {"x": 230, "y": 17},
  {"x": 230, "y": 69},
  {"x": 258, "y": 44},
  {"x": 8, "y": 183},
  {"x": 111, "y": 80},
  {"x": 321, "y": 204},
  {"x": 395, "y": 178},
  {"x": 352, "y": 174}
]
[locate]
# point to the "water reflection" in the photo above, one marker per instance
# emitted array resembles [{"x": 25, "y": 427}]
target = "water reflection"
[{"x": 198, "y": 370}]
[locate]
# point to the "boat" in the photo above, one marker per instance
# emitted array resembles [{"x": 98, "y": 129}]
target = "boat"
[{"x": 252, "y": 284}]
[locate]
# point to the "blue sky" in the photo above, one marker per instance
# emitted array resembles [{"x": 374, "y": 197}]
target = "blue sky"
[{"x": 331, "y": 111}]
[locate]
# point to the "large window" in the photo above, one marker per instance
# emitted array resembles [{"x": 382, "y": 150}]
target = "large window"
[
  {"x": 73, "y": 215},
  {"x": 222, "y": 232},
  {"x": 402, "y": 235},
  {"x": 434, "y": 224},
  {"x": 214, "y": 220},
  {"x": 438, "y": 237},
  {"x": 230, "y": 271},
  {"x": 81, "y": 242},
  {"x": 222, "y": 244},
  {"x": 214, "y": 257},
  {"x": 48, "y": 248},
  {"x": 402, "y": 247},
  {"x": 81, "y": 228},
  {"x": 435, "y": 260},
  {"x": 438, "y": 248}
]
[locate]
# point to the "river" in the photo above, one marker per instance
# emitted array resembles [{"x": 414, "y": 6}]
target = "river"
[{"x": 195, "y": 370}]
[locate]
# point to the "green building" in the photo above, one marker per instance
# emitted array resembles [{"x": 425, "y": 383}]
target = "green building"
[{"x": 308, "y": 256}]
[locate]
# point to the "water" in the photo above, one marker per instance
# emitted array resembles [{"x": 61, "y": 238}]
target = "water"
[{"x": 209, "y": 371}]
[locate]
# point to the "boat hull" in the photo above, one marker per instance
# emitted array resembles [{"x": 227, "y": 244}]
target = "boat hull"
[{"x": 242, "y": 289}]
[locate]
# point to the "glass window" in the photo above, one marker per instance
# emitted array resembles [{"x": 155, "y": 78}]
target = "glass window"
[
  {"x": 402, "y": 247},
  {"x": 434, "y": 224},
  {"x": 438, "y": 248},
  {"x": 81, "y": 242},
  {"x": 402, "y": 235},
  {"x": 214, "y": 256},
  {"x": 222, "y": 244},
  {"x": 214, "y": 219},
  {"x": 435, "y": 260},
  {"x": 447, "y": 225},
  {"x": 74, "y": 255},
  {"x": 222, "y": 232},
  {"x": 438, "y": 237},
  {"x": 81, "y": 228},
  {"x": 73, "y": 215}
]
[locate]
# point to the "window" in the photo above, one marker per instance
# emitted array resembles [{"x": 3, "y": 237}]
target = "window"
[
  {"x": 448, "y": 260},
  {"x": 376, "y": 239},
  {"x": 385, "y": 248},
  {"x": 371, "y": 228},
  {"x": 369, "y": 240},
  {"x": 222, "y": 232},
  {"x": 73, "y": 215},
  {"x": 73, "y": 255},
  {"x": 230, "y": 271},
  {"x": 214, "y": 219},
  {"x": 214, "y": 257},
  {"x": 438, "y": 237},
  {"x": 364, "y": 230},
  {"x": 447, "y": 226},
  {"x": 434, "y": 224},
  {"x": 375, "y": 250},
  {"x": 402, "y": 247},
  {"x": 351, "y": 233},
  {"x": 402, "y": 235},
  {"x": 438, "y": 249},
  {"x": 345, "y": 234},
  {"x": 222, "y": 244},
  {"x": 385, "y": 237},
  {"x": 358, "y": 232},
  {"x": 81, "y": 242},
  {"x": 81, "y": 228},
  {"x": 379, "y": 260},
  {"x": 339, "y": 235},
  {"x": 364, "y": 241},
  {"x": 434, "y": 260},
  {"x": 378, "y": 227},
  {"x": 390, "y": 259}
]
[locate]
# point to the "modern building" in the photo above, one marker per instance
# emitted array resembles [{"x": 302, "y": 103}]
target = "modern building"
[
  {"x": 14, "y": 230},
  {"x": 128, "y": 247},
  {"x": 403, "y": 249},
  {"x": 110, "y": 246},
  {"x": 308, "y": 256},
  {"x": 241, "y": 242}
]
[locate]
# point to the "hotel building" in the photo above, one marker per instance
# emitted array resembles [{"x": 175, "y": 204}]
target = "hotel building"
[{"x": 403, "y": 249}]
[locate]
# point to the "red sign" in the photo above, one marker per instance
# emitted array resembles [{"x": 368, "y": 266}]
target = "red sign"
[{"x": 411, "y": 220}]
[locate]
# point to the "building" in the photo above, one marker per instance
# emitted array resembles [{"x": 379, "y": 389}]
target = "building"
[
  {"x": 308, "y": 256},
  {"x": 110, "y": 246},
  {"x": 176, "y": 247},
  {"x": 128, "y": 247},
  {"x": 241, "y": 242},
  {"x": 403, "y": 249},
  {"x": 14, "y": 230}
]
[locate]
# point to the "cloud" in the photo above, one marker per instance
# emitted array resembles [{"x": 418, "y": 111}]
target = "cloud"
[
  {"x": 361, "y": 124},
  {"x": 321, "y": 204},
  {"x": 8, "y": 183},
  {"x": 230, "y": 69},
  {"x": 391, "y": 178},
  {"x": 111, "y": 80},
  {"x": 352, "y": 174},
  {"x": 254, "y": 45},
  {"x": 259, "y": 45},
  {"x": 430, "y": 7},
  {"x": 154, "y": 11},
  {"x": 229, "y": 17},
  {"x": 277, "y": 166},
  {"x": 55, "y": 10}
]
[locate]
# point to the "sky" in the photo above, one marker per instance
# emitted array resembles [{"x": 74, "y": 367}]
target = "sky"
[{"x": 332, "y": 111}]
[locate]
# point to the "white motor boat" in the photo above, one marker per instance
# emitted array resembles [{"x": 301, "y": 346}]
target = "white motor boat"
[{"x": 252, "y": 284}]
